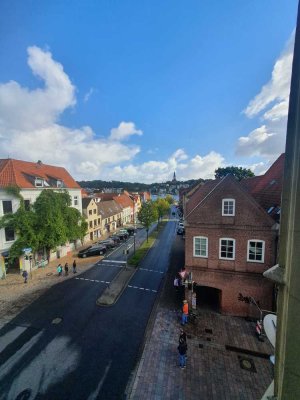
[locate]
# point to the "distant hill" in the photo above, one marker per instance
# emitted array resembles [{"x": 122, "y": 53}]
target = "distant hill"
[{"x": 133, "y": 187}]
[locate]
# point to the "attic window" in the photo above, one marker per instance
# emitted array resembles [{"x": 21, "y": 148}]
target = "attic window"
[
  {"x": 270, "y": 209},
  {"x": 39, "y": 182},
  {"x": 59, "y": 183},
  {"x": 228, "y": 207}
]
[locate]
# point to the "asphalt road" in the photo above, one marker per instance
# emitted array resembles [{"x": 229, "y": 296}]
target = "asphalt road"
[{"x": 65, "y": 347}]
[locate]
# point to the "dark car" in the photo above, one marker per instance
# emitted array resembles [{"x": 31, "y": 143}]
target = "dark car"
[
  {"x": 109, "y": 243},
  {"x": 115, "y": 238},
  {"x": 130, "y": 231},
  {"x": 180, "y": 231},
  {"x": 122, "y": 236},
  {"x": 92, "y": 251}
]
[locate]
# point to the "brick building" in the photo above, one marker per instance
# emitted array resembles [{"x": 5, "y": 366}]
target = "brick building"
[{"x": 231, "y": 239}]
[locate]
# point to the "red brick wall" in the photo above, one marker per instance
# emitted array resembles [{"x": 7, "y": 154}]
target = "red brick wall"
[{"x": 238, "y": 275}]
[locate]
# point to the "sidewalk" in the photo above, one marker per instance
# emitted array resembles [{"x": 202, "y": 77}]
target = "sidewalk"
[
  {"x": 15, "y": 295},
  {"x": 214, "y": 370}
]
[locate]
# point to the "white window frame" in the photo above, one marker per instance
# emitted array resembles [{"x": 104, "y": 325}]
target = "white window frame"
[
  {"x": 220, "y": 249},
  {"x": 75, "y": 200},
  {"x": 263, "y": 250},
  {"x": 206, "y": 246},
  {"x": 59, "y": 183},
  {"x": 39, "y": 182},
  {"x": 223, "y": 208}
]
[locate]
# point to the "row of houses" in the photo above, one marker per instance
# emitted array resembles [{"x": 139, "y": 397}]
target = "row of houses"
[
  {"x": 231, "y": 239},
  {"x": 104, "y": 212}
]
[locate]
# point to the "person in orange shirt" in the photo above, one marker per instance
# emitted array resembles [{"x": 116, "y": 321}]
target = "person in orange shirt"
[{"x": 185, "y": 312}]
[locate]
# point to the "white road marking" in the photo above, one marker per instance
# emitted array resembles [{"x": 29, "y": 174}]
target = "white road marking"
[
  {"x": 114, "y": 261},
  {"x": 95, "y": 394},
  {"x": 91, "y": 280},
  {"x": 151, "y": 270},
  {"x": 141, "y": 288}
]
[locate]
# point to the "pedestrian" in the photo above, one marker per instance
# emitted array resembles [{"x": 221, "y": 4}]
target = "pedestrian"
[
  {"x": 59, "y": 269},
  {"x": 182, "y": 336},
  {"x": 25, "y": 275},
  {"x": 176, "y": 284},
  {"x": 185, "y": 312},
  {"x": 182, "y": 347},
  {"x": 74, "y": 267},
  {"x": 66, "y": 269}
]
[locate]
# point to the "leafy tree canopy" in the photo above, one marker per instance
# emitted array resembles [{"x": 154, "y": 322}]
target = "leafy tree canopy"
[
  {"x": 169, "y": 199},
  {"x": 162, "y": 207},
  {"x": 239, "y": 172},
  {"x": 147, "y": 215}
]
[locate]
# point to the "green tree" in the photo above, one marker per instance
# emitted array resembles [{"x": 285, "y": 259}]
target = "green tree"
[
  {"x": 169, "y": 199},
  {"x": 239, "y": 172},
  {"x": 147, "y": 215},
  {"x": 162, "y": 207}
]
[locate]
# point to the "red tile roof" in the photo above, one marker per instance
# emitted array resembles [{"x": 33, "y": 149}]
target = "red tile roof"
[
  {"x": 22, "y": 174},
  {"x": 200, "y": 194},
  {"x": 123, "y": 200}
]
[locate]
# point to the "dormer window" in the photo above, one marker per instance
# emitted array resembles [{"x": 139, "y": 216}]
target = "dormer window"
[
  {"x": 59, "y": 183},
  {"x": 39, "y": 182},
  {"x": 228, "y": 207}
]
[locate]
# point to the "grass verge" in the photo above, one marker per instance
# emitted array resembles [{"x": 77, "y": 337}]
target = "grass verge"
[{"x": 146, "y": 246}]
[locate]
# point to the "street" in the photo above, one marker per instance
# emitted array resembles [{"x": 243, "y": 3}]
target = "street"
[{"x": 64, "y": 346}]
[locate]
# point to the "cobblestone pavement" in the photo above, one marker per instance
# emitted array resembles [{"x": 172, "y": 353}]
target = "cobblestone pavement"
[{"x": 214, "y": 370}]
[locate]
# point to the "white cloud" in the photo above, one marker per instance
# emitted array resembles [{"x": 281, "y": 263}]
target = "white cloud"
[
  {"x": 30, "y": 129},
  {"x": 88, "y": 95},
  {"x": 124, "y": 130},
  {"x": 268, "y": 140},
  {"x": 161, "y": 171}
]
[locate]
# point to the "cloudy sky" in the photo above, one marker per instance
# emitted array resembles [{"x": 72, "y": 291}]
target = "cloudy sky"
[{"x": 135, "y": 90}]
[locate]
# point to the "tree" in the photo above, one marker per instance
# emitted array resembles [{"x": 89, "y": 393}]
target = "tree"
[
  {"x": 239, "y": 172},
  {"x": 162, "y": 207},
  {"x": 147, "y": 215},
  {"x": 169, "y": 199},
  {"x": 49, "y": 223}
]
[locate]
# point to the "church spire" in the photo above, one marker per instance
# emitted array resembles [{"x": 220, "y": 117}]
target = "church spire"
[{"x": 174, "y": 177}]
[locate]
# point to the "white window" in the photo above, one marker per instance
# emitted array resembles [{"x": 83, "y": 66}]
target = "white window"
[
  {"x": 39, "y": 182},
  {"x": 75, "y": 200},
  {"x": 200, "y": 246},
  {"x": 256, "y": 251},
  {"x": 59, "y": 183},
  {"x": 227, "y": 249},
  {"x": 228, "y": 207},
  {"x": 9, "y": 234}
]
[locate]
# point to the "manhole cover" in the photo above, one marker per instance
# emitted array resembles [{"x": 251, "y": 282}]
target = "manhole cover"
[
  {"x": 56, "y": 321},
  {"x": 247, "y": 364}
]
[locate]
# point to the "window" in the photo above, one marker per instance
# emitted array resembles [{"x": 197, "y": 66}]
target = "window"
[
  {"x": 256, "y": 251},
  {"x": 98, "y": 221},
  {"x": 59, "y": 183},
  {"x": 39, "y": 182},
  {"x": 228, "y": 207},
  {"x": 91, "y": 224},
  {"x": 95, "y": 211},
  {"x": 9, "y": 235},
  {"x": 90, "y": 212},
  {"x": 227, "y": 249},
  {"x": 200, "y": 246},
  {"x": 7, "y": 206},
  {"x": 27, "y": 205},
  {"x": 75, "y": 200}
]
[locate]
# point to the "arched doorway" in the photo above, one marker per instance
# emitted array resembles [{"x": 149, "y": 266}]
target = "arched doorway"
[{"x": 208, "y": 297}]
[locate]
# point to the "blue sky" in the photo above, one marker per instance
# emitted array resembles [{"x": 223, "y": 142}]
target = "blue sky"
[{"x": 133, "y": 90}]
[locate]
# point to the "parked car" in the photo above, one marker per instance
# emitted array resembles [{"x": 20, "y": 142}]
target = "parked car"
[
  {"x": 180, "y": 231},
  {"x": 130, "y": 230},
  {"x": 181, "y": 225},
  {"x": 115, "y": 238},
  {"x": 122, "y": 236},
  {"x": 109, "y": 243},
  {"x": 125, "y": 231},
  {"x": 92, "y": 251}
]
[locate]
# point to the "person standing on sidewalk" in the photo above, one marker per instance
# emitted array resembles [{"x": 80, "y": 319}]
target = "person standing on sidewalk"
[
  {"x": 185, "y": 312},
  {"x": 66, "y": 269},
  {"x": 59, "y": 269},
  {"x": 25, "y": 275},
  {"x": 74, "y": 267},
  {"x": 182, "y": 347}
]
